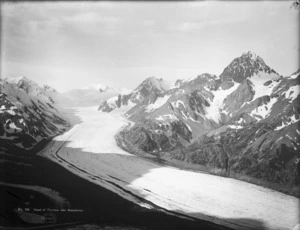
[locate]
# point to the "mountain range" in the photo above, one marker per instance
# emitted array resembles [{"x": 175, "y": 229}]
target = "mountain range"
[
  {"x": 243, "y": 122},
  {"x": 30, "y": 113},
  {"x": 91, "y": 95}
]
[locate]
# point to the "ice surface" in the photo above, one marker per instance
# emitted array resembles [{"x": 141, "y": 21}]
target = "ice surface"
[{"x": 90, "y": 146}]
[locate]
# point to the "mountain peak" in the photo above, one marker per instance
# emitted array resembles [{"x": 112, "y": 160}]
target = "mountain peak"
[
  {"x": 16, "y": 80},
  {"x": 150, "y": 86},
  {"x": 49, "y": 88},
  {"x": 153, "y": 80},
  {"x": 254, "y": 57},
  {"x": 155, "y": 83},
  {"x": 24, "y": 83},
  {"x": 244, "y": 67},
  {"x": 250, "y": 54}
]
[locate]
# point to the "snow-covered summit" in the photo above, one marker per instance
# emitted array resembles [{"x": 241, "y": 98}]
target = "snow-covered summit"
[
  {"x": 244, "y": 67},
  {"x": 99, "y": 87},
  {"x": 154, "y": 83},
  {"x": 150, "y": 87},
  {"x": 145, "y": 93},
  {"x": 25, "y": 84},
  {"x": 18, "y": 79},
  {"x": 250, "y": 54}
]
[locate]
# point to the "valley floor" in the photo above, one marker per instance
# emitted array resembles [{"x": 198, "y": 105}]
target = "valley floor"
[{"x": 89, "y": 150}]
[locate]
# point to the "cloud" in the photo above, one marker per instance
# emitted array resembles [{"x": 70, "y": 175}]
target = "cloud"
[
  {"x": 91, "y": 18},
  {"x": 149, "y": 23},
  {"x": 190, "y": 26},
  {"x": 91, "y": 23},
  {"x": 92, "y": 36}
]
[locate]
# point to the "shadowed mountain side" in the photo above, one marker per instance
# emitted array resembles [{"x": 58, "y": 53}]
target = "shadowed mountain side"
[{"x": 8, "y": 147}]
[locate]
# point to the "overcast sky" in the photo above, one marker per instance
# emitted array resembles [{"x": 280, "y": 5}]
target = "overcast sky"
[{"x": 75, "y": 44}]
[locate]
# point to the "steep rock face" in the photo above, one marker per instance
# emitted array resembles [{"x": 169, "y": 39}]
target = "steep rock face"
[
  {"x": 28, "y": 113},
  {"x": 244, "y": 67},
  {"x": 242, "y": 95}
]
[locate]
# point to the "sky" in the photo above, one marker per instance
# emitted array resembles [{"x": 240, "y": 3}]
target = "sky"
[{"x": 71, "y": 45}]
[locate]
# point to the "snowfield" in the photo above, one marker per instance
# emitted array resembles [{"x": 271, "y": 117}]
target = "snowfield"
[
  {"x": 90, "y": 151},
  {"x": 213, "y": 111}
]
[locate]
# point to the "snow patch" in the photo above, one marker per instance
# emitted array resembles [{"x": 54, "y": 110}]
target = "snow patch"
[
  {"x": 213, "y": 111},
  {"x": 189, "y": 127},
  {"x": 292, "y": 93},
  {"x": 112, "y": 100},
  {"x": 263, "y": 110},
  {"x": 12, "y": 128},
  {"x": 166, "y": 117},
  {"x": 183, "y": 114},
  {"x": 258, "y": 81},
  {"x": 235, "y": 126},
  {"x": 11, "y": 112},
  {"x": 294, "y": 76},
  {"x": 283, "y": 125},
  {"x": 160, "y": 101},
  {"x": 177, "y": 103}
]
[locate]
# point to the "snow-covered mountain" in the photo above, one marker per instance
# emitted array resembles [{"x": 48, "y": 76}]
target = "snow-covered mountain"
[
  {"x": 245, "y": 119},
  {"x": 28, "y": 113},
  {"x": 146, "y": 93},
  {"x": 91, "y": 95}
]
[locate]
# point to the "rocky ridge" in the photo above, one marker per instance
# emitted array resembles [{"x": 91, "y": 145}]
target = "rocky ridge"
[{"x": 29, "y": 114}]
